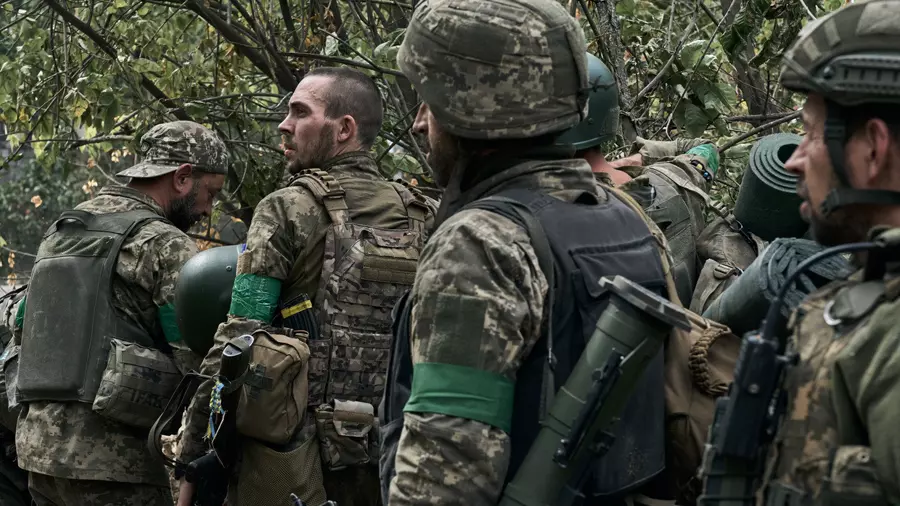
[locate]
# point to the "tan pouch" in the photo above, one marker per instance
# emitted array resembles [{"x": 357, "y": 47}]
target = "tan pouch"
[
  {"x": 347, "y": 433},
  {"x": 853, "y": 479},
  {"x": 136, "y": 385},
  {"x": 267, "y": 476},
  {"x": 273, "y": 397}
]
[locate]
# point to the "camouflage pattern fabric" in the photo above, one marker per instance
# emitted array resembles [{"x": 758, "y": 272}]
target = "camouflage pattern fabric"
[
  {"x": 50, "y": 491},
  {"x": 500, "y": 69},
  {"x": 845, "y": 391},
  {"x": 287, "y": 242},
  {"x": 166, "y": 147},
  {"x": 482, "y": 265},
  {"x": 69, "y": 440}
]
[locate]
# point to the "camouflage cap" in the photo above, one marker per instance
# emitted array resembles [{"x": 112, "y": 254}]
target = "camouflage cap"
[
  {"x": 495, "y": 69},
  {"x": 851, "y": 56},
  {"x": 167, "y": 146}
]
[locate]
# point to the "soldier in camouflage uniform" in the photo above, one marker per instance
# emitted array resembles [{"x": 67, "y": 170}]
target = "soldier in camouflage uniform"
[
  {"x": 668, "y": 179},
  {"x": 75, "y": 456},
  {"x": 13, "y": 480},
  {"x": 335, "y": 115},
  {"x": 838, "y": 442},
  {"x": 500, "y": 81}
]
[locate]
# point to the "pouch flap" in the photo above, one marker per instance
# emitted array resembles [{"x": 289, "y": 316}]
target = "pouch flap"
[
  {"x": 385, "y": 238},
  {"x": 280, "y": 340},
  {"x": 352, "y": 418}
]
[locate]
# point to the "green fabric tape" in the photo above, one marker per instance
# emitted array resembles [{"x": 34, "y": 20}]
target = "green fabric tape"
[
  {"x": 255, "y": 297},
  {"x": 20, "y": 313},
  {"x": 169, "y": 323},
  {"x": 463, "y": 392},
  {"x": 709, "y": 152}
]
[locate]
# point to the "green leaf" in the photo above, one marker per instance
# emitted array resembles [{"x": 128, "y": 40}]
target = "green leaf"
[
  {"x": 695, "y": 120},
  {"x": 691, "y": 52},
  {"x": 144, "y": 66}
]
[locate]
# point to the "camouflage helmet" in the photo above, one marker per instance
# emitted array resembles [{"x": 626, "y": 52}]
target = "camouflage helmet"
[
  {"x": 167, "y": 146},
  {"x": 602, "y": 122},
  {"x": 851, "y": 57},
  {"x": 500, "y": 69},
  {"x": 203, "y": 295}
]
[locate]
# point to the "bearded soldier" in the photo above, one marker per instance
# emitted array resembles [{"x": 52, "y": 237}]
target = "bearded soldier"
[
  {"x": 500, "y": 80},
  {"x": 100, "y": 349},
  {"x": 837, "y": 442}
]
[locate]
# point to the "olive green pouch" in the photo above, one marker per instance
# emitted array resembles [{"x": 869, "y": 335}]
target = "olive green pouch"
[{"x": 348, "y": 433}]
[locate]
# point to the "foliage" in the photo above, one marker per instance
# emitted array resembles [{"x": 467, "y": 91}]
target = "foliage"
[{"x": 81, "y": 80}]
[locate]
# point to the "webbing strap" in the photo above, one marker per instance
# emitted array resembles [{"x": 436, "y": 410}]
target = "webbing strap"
[
  {"x": 415, "y": 207},
  {"x": 326, "y": 189}
]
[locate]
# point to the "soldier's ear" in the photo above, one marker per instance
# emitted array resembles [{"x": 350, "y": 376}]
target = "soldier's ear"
[
  {"x": 183, "y": 180},
  {"x": 347, "y": 128}
]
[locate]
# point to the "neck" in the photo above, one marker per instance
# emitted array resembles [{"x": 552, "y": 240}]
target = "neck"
[
  {"x": 151, "y": 190},
  {"x": 343, "y": 149},
  {"x": 598, "y": 163}
]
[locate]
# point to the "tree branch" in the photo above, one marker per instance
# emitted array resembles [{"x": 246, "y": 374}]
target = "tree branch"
[
  {"x": 107, "y": 48},
  {"x": 737, "y": 140},
  {"x": 346, "y": 61},
  {"x": 665, "y": 68}
]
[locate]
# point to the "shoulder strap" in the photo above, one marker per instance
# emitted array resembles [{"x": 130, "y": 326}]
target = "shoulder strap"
[
  {"x": 414, "y": 203},
  {"x": 326, "y": 189}
]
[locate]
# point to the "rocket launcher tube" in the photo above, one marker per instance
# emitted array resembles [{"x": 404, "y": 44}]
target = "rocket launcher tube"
[{"x": 629, "y": 333}]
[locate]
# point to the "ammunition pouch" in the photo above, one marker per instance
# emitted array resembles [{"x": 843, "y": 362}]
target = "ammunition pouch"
[
  {"x": 268, "y": 476},
  {"x": 853, "y": 479},
  {"x": 348, "y": 434},
  {"x": 273, "y": 397},
  {"x": 136, "y": 385}
]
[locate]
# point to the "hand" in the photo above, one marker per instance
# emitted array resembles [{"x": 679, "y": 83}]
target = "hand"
[
  {"x": 635, "y": 160},
  {"x": 185, "y": 493}
]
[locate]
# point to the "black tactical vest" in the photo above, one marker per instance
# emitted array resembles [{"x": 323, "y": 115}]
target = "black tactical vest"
[
  {"x": 587, "y": 240},
  {"x": 69, "y": 317}
]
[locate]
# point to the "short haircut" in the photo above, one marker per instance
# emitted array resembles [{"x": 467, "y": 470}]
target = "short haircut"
[
  {"x": 858, "y": 116},
  {"x": 354, "y": 94}
]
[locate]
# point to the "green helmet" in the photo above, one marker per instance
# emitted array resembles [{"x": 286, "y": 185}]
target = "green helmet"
[
  {"x": 203, "y": 295},
  {"x": 851, "y": 57},
  {"x": 602, "y": 122},
  {"x": 505, "y": 69}
]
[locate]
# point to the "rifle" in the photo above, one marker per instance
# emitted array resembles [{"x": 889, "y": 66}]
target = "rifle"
[
  {"x": 629, "y": 333},
  {"x": 747, "y": 419}
]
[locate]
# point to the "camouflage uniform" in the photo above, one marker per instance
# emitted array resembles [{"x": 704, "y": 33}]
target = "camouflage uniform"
[
  {"x": 286, "y": 243},
  {"x": 487, "y": 70},
  {"x": 73, "y": 455},
  {"x": 838, "y": 442},
  {"x": 672, "y": 191},
  {"x": 13, "y": 480}
]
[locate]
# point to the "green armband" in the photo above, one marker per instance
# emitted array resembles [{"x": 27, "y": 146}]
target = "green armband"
[
  {"x": 710, "y": 153},
  {"x": 169, "y": 323},
  {"x": 20, "y": 313},
  {"x": 255, "y": 297},
  {"x": 463, "y": 392}
]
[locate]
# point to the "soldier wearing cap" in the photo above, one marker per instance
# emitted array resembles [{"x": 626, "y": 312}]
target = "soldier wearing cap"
[{"x": 101, "y": 294}]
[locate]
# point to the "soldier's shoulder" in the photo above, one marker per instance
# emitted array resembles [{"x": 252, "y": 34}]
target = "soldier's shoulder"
[
  {"x": 474, "y": 237},
  {"x": 287, "y": 201}
]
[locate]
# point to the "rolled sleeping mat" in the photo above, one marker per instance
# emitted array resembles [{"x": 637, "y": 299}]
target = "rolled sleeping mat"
[
  {"x": 767, "y": 203},
  {"x": 743, "y": 305}
]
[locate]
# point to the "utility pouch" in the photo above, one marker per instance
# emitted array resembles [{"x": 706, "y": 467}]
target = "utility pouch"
[
  {"x": 853, "y": 479},
  {"x": 268, "y": 476},
  {"x": 9, "y": 362},
  {"x": 273, "y": 397},
  {"x": 136, "y": 384},
  {"x": 348, "y": 434},
  {"x": 297, "y": 314}
]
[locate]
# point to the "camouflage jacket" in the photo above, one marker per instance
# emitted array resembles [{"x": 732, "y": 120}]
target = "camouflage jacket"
[
  {"x": 838, "y": 442},
  {"x": 673, "y": 193},
  {"x": 483, "y": 266},
  {"x": 68, "y": 440},
  {"x": 286, "y": 242}
]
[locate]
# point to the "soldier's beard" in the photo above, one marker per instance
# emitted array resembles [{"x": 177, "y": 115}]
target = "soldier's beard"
[
  {"x": 841, "y": 227},
  {"x": 181, "y": 211},
  {"x": 314, "y": 153},
  {"x": 443, "y": 156}
]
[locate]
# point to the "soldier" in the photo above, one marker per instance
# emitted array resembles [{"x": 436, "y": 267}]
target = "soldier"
[
  {"x": 344, "y": 235},
  {"x": 13, "y": 480},
  {"x": 99, "y": 306},
  {"x": 500, "y": 80},
  {"x": 838, "y": 442},
  {"x": 668, "y": 179}
]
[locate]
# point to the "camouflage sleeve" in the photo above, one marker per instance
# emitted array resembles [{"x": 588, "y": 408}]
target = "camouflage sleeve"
[
  {"x": 281, "y": 224},
  {"x": 455, "y": 445},
  {"x": 870, "y": 369},
  {"x": 653, "y": 151}
]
